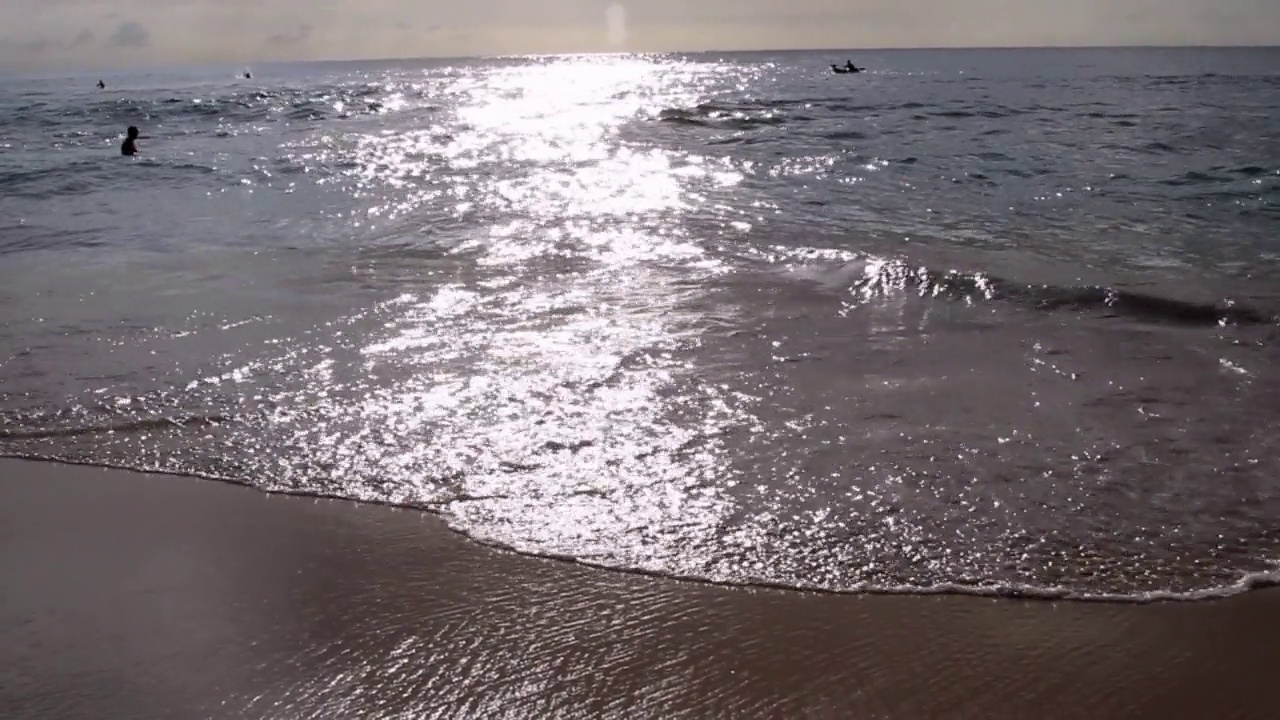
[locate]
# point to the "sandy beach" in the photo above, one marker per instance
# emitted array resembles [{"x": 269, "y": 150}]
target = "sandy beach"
[{"x": 146, "y": 596}]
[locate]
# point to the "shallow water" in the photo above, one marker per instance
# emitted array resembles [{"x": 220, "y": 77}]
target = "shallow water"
[
  {"x": 980, "y": 321},
  {"x": 145, "y": 597}
]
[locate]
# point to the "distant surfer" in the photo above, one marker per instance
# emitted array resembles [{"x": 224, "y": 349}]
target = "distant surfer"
[
  {"x": 102, "y": 85},
  {"x": 130, "y": 146}
]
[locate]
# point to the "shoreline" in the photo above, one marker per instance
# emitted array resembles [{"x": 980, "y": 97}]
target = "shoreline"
[
  {"x": 148, "y": 595},
  {"x": 1251, "y": 582}
]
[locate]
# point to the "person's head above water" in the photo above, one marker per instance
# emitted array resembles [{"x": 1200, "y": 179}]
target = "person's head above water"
[{"x": 129, "y": 147}]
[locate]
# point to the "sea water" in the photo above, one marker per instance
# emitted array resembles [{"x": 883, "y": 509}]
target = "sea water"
[{"x": 990, "y": 321}]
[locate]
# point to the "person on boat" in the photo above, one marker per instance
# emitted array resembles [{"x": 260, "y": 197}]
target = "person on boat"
[
  {"x": 850, "y": 67},
  {"x": 130, "y": 147}
]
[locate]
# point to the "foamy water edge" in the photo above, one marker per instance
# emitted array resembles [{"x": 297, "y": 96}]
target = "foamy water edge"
[{"x": 1256, "y": 580}]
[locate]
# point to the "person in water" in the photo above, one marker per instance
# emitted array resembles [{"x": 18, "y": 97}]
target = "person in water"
[
  {"x": 102, "y": 85},
  {"x": 130, "y": 146}
]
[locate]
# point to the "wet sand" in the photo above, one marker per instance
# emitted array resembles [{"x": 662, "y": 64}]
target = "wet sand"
[{"x": 140, "y": 596}]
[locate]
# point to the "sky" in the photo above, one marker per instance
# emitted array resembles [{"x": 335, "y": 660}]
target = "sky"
[{"x": 38, "y": 35}]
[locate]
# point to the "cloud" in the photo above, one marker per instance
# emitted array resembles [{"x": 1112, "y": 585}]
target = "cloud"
[
  {"x": 294, "y": 37},
  {"x": 429, "y": 29},
  {"x": 43, "y": 45},
  {"x": 131, "y": 34},
  {"x": 36, "y": 46}
]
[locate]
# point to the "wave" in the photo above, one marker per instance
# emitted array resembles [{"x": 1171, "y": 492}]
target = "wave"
[
  {"x": 24, "y": 238},
  {"x": 737, "y": 116},
  {"x": 1249, "y": 581},
  {"x": 884, "y": 277},
  {"x": 1246, "y": 582},
  {"x": 81, "y": 177},
  {"x": 286, "y": 104},
  {"x": 1193, "y": 177},
  {"x": 123, "y": 428},
  {"x": 770, "y": 112}
]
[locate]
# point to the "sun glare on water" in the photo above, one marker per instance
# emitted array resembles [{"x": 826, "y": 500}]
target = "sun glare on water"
[{"x": 551, "y": 368}]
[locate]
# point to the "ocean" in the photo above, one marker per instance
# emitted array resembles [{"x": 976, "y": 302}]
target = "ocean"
[{"x": 999, "y": 322}]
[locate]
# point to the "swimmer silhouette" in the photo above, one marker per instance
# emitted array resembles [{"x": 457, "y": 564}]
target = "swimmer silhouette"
[
  {"x": 102, "y": 85},
  {"x": 130, "y": 147}
]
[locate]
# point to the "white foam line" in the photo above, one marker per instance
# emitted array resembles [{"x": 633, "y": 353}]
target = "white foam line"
[{"x": 1249, "y": 581}]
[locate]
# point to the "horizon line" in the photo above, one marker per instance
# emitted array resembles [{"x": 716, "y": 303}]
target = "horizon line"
[{"x": 125, "y": 69}]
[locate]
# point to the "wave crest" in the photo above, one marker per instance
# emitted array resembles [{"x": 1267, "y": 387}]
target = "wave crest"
[{"x": 884, "y": 277}]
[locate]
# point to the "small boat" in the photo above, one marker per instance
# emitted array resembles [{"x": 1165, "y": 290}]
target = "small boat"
[{"x": 846, "y": 70}]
